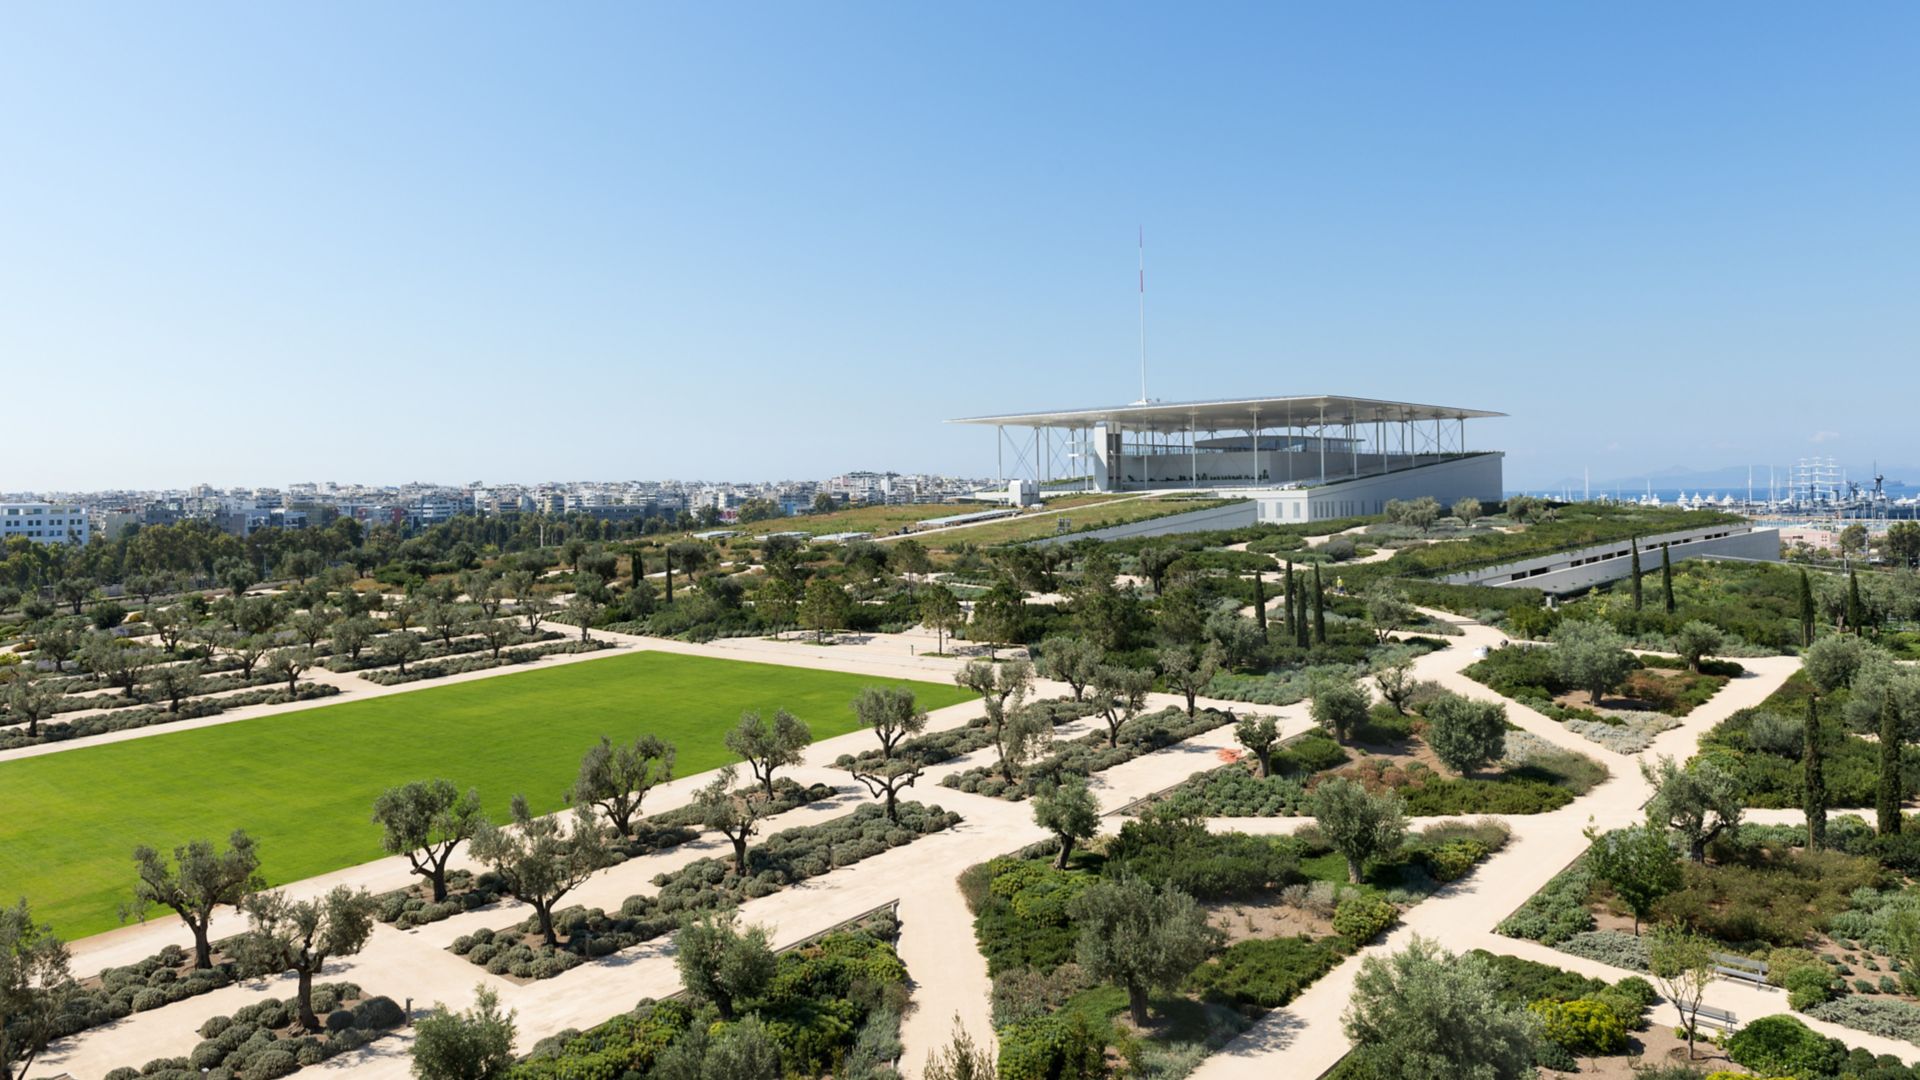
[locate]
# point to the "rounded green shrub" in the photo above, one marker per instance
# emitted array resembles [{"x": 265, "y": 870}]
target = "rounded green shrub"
[
  {"x": 1582, "y": 1026},
  {"x": 1360, "y": 919}
]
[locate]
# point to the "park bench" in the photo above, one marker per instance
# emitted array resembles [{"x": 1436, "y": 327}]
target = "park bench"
[
  {"x": 1708, "y": 1016},
  {"x": 1742, "y": 968}
]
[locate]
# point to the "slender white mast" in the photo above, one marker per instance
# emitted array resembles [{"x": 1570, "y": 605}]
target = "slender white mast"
[{"x": 1143, "y": 314}]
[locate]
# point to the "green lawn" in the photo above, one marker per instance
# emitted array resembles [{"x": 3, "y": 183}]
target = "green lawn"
[{"x": 303, "y": 784}]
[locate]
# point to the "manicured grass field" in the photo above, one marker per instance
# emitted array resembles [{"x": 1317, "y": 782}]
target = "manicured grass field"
[{"x": 303, "y": 784}]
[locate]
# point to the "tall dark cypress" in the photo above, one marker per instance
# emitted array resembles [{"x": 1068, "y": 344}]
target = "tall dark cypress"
[
  {"x": 1887, "y": 801},
  {"x": 1293, "y": 605},
  {"x": 1319, "y": 608},
  {"x": 1666, "y": 576},
  {"x": 1816, "y": 781},
  {"x": 1635, "y": 570},
  {"x": 638, "y": 570},
  {"x": 1260, "y": 603},
  {"x": 1806, "y": 610},
  {"x": 668, "y": 552},
  {"x": 1856, "y": 611}
]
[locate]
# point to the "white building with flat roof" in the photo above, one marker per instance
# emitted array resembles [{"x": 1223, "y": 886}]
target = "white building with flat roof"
[
  {"x": 1297, "y": 459},
  {"x": 45, "y": 523}
]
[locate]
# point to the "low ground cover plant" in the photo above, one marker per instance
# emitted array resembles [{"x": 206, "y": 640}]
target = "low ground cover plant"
[{"x": 262, "y": 1040}]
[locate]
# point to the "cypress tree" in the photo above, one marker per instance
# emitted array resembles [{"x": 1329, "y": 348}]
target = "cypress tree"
[
  {"x": 1666, "y": 576},
  {"x": 1293, "y": 607},
  {"x": 1319, "y": 609},
  {"x": 638, "y": 568},
  {"x": 1635, "y": 571},
  {"x": 1887, "y": 802},
  {"x": 1856, "y": 611},
  {"x": 1816, "y": 781},
  {"x": 1260, "y": 603},
  {"x": 1806, "y": 610}
]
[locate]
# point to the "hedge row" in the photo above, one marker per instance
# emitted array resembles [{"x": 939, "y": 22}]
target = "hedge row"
[
  {"x": 1091, "y": 754},
  {"x": 785, "y": 858},
  {"x": 460, "y": 665},
  {"x": 259, "y": 1043},
  {"x": 126, "y": 719}
]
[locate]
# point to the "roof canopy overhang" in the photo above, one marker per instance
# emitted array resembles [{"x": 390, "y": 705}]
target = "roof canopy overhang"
[{"x": 1237, "y": 414}]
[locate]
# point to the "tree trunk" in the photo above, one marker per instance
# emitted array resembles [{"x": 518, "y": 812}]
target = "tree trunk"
[
  {"x": 1192, "y": 693},
  {"x": 1137, "y": 1004},
  {"x": 439, "y": 879},
  {"x": 545, "y": 913},
  {"x": 893, "y": 804},
  {"x": 1066, "y": 849},
  {"x": 1353, "y": 870},
  {"x": 304, "y": 995},
  {"x": 1697, "y": 850},
  {"x": 739, "y": 854},
  {"x": 202, "y": 949}
]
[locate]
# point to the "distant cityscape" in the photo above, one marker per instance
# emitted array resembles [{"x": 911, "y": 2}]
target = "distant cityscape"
[{"x": 61, "y": 517}]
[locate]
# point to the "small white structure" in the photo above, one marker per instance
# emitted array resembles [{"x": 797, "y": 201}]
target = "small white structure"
[{"x": 45, "y": 523}]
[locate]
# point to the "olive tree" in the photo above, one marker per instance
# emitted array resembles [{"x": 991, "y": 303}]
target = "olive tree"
[
  {"x": 1069, "y": 811},
  {"x": 722, "y": 963},
  {"x": 1698, "y": 801},
  {"x": 1121, "y": 692},
  {"x": 768, "y": 747},
  {"x": 289, "y": 664},
  {"x": 1466, "y": 734},
  {"x": 1591, "y": 655},
  {"x": 540, "y": 860},
  {"x": 1696, "y": 640},
  {"x": 893, "y": 716},
  {"x": 35, "y": 986},
  {"x": 425, "y": 820},
  {"x": 734, "y": 814},
  {"x": 1397, "y": 685},
  {"x": 1003, "y": 690},
  {"x": 1683, "y": 967},
  {"x": 1425, "y": 1012},
  {"x": 940, "y": 612},
  {"x": 1360, "y": 825},
  {"x": 614, "y": 779},
  {"x": 302, "y": 935},
  {"x": 1139, "y": 937},
  {"x": 1070, "y": 660},
  {"x": 1339, "y": 706},
  {"x": 1189, "y": 670},
  {"x": 1387, "y": 609},
  {"x": 198, "y": 881},
  {"x": 30, "y": 700},
  {"x": 1259, "y": 734}
]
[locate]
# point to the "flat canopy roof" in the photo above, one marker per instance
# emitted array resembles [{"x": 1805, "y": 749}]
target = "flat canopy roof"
[{"x": 1236, "y": 414}]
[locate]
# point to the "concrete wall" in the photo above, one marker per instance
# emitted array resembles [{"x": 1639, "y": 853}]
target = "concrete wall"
[
  {"x": 1577, "y": 571},
  {"x": 1478, "y": 477},
  {"x": 1231, "y": 516}
]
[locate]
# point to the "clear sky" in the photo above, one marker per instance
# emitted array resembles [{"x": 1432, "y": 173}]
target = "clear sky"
[{"x": 258, "y": 243}]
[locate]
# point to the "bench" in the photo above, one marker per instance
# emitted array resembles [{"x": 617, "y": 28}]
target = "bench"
[
  {"x": 1708, "y": 1016},
  {"x": 1741, "y": 968}
]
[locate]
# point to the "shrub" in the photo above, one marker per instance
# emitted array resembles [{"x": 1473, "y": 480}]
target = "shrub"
[
  {"x": 1555, "y": 913},
  {"x": 1807, "y": 987},
  {"x": 1266, "y": 972},
  {"x": 1361, "y": 918},
  {"x": 1581, "y": 1026},
  {"x": 1608, "y": 947},
  {"x": 1876, "y": 1016},
  {"x": 1057, "y": 1047},
  {"x": 1783, "y": 1046}
]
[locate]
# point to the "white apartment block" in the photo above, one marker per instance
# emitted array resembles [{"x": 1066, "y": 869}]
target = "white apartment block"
[{"x": 44, "y": 523}]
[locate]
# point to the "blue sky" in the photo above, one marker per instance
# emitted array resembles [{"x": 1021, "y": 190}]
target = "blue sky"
[{"x": 248, "y": 243}]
